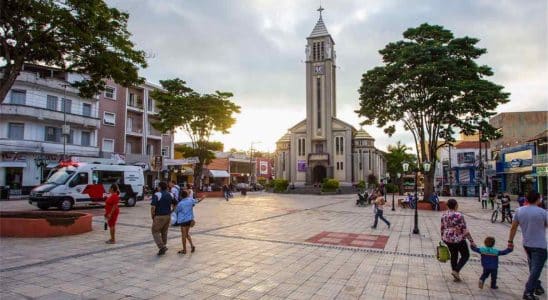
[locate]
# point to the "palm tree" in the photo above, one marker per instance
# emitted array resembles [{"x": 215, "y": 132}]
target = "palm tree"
[{"x": 397, "y": 154}]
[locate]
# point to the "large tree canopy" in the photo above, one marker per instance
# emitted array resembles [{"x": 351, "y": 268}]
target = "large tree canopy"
[
  {"x": 83, "y": 36},
  {"x": 431, "y": 83},
  {"x": 199, "y": 116}
]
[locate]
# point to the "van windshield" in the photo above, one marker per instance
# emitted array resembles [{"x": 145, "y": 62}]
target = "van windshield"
[{"x": 61, "y": 176}]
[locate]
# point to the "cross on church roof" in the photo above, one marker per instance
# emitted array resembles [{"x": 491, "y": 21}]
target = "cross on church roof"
[{"x": 320, "y": 10}]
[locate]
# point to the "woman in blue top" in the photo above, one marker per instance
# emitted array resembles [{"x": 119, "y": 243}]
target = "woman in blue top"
[{"x": 185, "y": 218}]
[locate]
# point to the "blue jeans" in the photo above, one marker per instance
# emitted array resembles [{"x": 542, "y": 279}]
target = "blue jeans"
[
  {"x": 378, "y": 214},
  {"x": 493, "y": 273},
  {"x": 536, "y": 257}
]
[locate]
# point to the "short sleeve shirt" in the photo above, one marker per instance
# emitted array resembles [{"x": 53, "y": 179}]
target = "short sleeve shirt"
[
  {"x": 162, "y": 201},
  {"x": 185, "y": 210},
  {"x": 532, "y": 221}
]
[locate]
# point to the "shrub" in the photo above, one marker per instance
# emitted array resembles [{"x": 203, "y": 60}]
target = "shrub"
[
  {"x": 361, "y": 184},
  {"x": 330, "y": 185},
  {"x": 280, "y": 185},
  {"x": 391, "y": 188}
]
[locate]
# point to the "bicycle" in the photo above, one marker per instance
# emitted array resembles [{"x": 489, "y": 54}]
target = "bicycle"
[{"x": 508, "y": 216}]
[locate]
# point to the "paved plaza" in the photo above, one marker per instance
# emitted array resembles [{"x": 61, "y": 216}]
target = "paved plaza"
[{"x": 259, "y": 246}]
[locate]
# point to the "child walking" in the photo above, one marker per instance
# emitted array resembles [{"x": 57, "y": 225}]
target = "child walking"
[{"x": 490, "y": 260}]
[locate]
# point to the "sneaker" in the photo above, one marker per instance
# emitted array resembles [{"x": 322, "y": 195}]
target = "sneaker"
[
  {"x": 480, "y": 284},
  {"x": 162, "y": 251},
  {"x": 456, "y": 276},
  {"x": 529, "y": 297},
  {"x": 539, "y": 291},
  {"x": 373, "y": 227},
  {"x": 495, "y": 287}
]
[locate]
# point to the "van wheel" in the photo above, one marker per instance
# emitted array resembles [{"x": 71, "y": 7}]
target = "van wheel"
[
  {"x": 130, "y": 202},
  {"x": 66, "y": 204},
  {"x": 43, "y": 206}
]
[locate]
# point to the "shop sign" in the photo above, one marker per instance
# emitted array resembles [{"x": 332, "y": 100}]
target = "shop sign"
[
  {"x": 263, "y": 167},
  {"x": 542, "y": 171},
  {"x": 301, "y": 165},
  {"x": 11, "y": 156},
  {"x": 516, "y": 163}
]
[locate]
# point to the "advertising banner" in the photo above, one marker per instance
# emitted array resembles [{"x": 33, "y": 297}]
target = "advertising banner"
[
  {"x": 263, "y": 167},
  {"x": 301, "y": 166}
]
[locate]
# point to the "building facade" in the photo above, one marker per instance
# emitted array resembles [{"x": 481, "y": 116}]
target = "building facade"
[
  {"x": 40, "y": 110},
  {"x": 323, "y": 146},
  {"x": 127, "y": 114},
  {"x": 520, "y": 155}
]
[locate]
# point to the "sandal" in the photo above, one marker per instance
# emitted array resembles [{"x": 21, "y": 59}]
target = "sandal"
[
  {"x": 110, "y": 242},
  {"x": 192, "y": 249},
  {"x": 182, "y": 252}
]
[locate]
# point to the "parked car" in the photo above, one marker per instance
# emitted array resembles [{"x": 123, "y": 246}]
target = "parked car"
[
  {"x": 242, "y": 185},
  {"x": 257, "y": 187}
]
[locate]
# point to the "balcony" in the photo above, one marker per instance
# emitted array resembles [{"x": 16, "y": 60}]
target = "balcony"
[
  {"x": 154, "y": 133},
  {"x": 53, "y": 83},
  {"x": 137, "y": 132},
  {"x": 47, "y": 147},
  {"x": 40, "y": 113},
  {"x": 540, "y": 159}
]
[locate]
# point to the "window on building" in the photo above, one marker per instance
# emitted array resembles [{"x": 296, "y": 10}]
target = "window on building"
[
  {"x": 129, "y": 124},
  {"x": 322, "y": 50},
  {"x": 86, "y": 138},
  {"x": 360, "y": 160},
  {"x": 70, "y": 137},
  {"x": 341, "y": 145},
  {"x": 53, "y": 134},
  {"x": 150, "y": 104},
  {"x": 109, "y": 118},
  {"x": 369, "y": 155},
  {"x": 18, "y": 97},
  {"x": 319, "y": 148},
  {"x": 128, "y": 148},
  {"x": 301, "y": 147},
  {"x": 342, "y": 166},
  {"x": 108, "y": 145},
  {"x": 131, "y": 100},
  {"x": 165, "y": 151},
  {"x": 86, "y": 109},
  {"x": 313, "y": 51},
  {"x": 283, "y": 161},
  {"x": 66, "y": 105},
  {"x": 319, "y": 101},
  {"x": 16, "y": 131},
  {"x": 150, "y": 149},
  {"x": 337, "y": 166},
  {"x": 110, "y": 92},
  {"x": 51, "y": 102}
]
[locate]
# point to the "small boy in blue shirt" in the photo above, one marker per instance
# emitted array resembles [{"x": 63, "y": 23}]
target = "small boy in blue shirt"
[{"x": 490, "y": 261}]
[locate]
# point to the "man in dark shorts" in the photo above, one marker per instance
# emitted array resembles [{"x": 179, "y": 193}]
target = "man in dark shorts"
[{"x": 160, "y": 211}]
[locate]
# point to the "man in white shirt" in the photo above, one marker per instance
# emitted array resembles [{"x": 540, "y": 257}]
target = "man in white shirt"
[{"x": 174, "y": 189}]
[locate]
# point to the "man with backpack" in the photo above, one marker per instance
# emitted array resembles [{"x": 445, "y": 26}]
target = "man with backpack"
[{"x": 160, "y": 211}]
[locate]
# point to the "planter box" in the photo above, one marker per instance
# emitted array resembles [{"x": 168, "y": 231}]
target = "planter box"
[{"x": 428, "y": 205}]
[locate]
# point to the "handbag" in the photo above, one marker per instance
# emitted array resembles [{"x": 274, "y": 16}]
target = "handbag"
[
  {"x": 442, "y": 253},
  {"x": 174, "y": 218}
]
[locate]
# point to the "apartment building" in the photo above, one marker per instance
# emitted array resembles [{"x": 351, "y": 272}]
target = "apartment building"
[
  {"x": 127, "y": 115},
  {"x": 39, "y": 112}
]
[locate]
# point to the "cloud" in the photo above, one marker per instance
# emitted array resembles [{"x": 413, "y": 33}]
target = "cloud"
[{"x": 255, "y": 49}]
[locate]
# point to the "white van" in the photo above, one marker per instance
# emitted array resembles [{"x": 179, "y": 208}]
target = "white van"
[{"x": 79, "y": 183}]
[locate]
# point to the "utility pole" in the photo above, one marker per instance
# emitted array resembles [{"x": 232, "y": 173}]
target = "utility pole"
[
  {"x": 479, "y": 177},
  {"x": 65, "y": 130}
]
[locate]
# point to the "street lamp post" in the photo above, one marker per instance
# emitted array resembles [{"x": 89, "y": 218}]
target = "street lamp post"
[{"x": 426, "y": 167}]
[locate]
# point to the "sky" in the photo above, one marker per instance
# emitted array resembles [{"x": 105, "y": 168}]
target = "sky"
[{"x": 256, "y": 50}]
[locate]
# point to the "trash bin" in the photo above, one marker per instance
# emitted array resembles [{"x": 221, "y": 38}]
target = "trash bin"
[
  {"x": 244, "y": 192},
  {"x": 4, "y": 192}
]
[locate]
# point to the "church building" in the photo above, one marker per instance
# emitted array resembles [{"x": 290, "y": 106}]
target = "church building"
[{"x": 322, "y": 146}]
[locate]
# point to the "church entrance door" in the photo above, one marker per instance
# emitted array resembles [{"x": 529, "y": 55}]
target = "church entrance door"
[{"x": 318, "y": 174}]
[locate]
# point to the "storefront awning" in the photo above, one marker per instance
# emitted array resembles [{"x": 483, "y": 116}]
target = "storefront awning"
[
  {"x": 13, "y": 164},
  {"x": 218, "y": 174}
]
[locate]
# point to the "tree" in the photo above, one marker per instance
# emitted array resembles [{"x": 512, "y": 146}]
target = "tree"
[
  {"x": 396, "y": 156},
  {"x": 85, "y": 37},
  {"x": 432, "y": 84},
  {"x": 197, "y": 115}
]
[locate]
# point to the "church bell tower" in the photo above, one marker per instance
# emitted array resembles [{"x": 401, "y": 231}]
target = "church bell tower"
[{"x": 320, "y": 87}]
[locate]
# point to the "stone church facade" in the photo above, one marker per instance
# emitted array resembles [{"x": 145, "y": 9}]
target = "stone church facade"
[{"x": 322, "y": 146}]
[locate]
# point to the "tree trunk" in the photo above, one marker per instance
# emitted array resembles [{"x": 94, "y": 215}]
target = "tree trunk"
[
  {"x": 198, "y": 169},
  {"x": 9, "y": 76},
  {"x": 429, "y": 183}
]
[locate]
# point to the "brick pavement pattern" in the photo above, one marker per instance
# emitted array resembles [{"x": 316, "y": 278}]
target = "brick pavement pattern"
[{"x": 259, "y": 246}]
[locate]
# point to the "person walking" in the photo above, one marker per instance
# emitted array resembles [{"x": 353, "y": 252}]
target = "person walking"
[
  {"x": 185, "y": 218},
  {"x": 505, "y": 202},
  {"x": 454, "y": 233},
  {"x": 174, "y": 189},
  {"x": 490, "y": 261},
  {"x": 492, "y": 200},
  {"x": 160, "y": 211},
  {"x": 111, "y": 211},
  {"x": 484, "y": 199},
  {"x": 379, "y": 209},
  {"x": 532, "y": 220}
]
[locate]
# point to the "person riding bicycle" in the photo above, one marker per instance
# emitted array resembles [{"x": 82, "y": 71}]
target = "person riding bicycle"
[{"x": 505, "y": 202}]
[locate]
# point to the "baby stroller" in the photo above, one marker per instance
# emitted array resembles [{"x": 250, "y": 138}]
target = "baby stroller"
[{"x": 362, "y": 199}]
